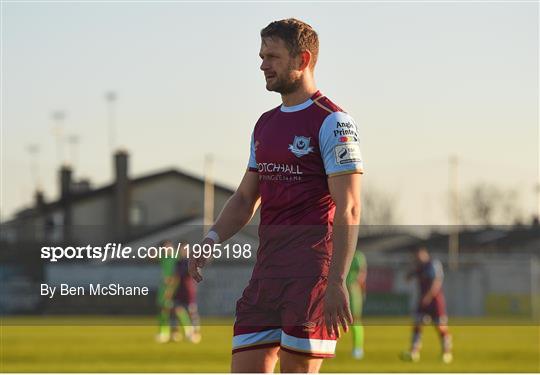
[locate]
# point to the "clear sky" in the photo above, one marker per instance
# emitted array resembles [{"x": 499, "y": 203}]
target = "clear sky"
[{"x": 423, "y": 80}]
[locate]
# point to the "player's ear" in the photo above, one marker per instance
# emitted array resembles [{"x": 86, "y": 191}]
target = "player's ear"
[{"x": 305, "y": 59}]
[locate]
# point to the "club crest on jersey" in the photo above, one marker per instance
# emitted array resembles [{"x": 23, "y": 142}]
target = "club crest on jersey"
[{"x": 300, "y": 146}]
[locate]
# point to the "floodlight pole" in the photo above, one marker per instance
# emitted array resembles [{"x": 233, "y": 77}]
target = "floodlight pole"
[
  {"x": 208, "y": 192},
  {"x": 58, "y": 133},
  {"x": 111, "y": 98},
  {"x": 453, "y": 238},
  {"x": 73, "y": 141}
]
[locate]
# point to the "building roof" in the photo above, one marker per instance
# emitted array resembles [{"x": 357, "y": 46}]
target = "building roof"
[
  {"x": 108, "y": 189},
  {"x": 500, "y": 239}
]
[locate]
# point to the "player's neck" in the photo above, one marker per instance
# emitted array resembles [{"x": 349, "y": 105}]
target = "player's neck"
[{"x": 303, "y": 93}]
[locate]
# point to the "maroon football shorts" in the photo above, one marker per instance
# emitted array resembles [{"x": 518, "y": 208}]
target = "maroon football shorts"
[
  {"x": 186, "y": 294},
  {"x": 434, "y": 312},
  {"x": 284, "y": 312}
]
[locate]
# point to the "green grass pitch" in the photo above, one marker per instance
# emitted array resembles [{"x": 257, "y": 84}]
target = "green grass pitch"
[{"x": 126, "y": 344}]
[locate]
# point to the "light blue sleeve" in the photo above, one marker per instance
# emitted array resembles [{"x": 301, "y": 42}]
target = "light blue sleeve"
[
  {"x": 252, "y": 164},
  {"x": 340, "y": 145},
  {"x": 437, "y": 265},
  {"x": 435, "y": 270}
]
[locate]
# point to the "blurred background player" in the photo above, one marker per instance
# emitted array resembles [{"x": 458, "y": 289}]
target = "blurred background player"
[
  {"x": 166, "y": 291},
  {"x": 431, "y": 307},
  {"x": 186, "y": 312},
  {"x": 356, "y": 286}
]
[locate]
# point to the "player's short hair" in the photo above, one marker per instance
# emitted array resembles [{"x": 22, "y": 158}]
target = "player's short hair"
[
  {"x": 421, "y": 248},
  {"x": 165, "y": 242},
  {"x": 297, "y": 35},
  {"x": 417, "y": 247}
]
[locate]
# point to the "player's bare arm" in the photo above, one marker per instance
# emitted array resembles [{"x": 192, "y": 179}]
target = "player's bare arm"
[
  {"x": 435, "y": 287},
  {"x": 345, "y": 191},
  {"x": 240, "y": 208},
  {"x": 236, "y": 213}
]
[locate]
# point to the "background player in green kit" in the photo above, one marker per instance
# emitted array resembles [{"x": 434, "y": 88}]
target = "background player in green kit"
[
  {"x": 166, "y": 291},
  {"x": 356, "y": 285}
]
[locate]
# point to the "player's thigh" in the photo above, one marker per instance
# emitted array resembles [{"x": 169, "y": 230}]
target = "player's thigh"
[
  {"x": 304, "y": 332},
  {"x": 290, "y": 362},
  {"x": 255, "y": 360}
]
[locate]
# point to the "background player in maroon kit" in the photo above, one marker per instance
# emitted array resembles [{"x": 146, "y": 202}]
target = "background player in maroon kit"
[
  {"x": 304, "y": 171},
  {"x": 431, "y": 306},
  {"x": 185, "y": 301}
]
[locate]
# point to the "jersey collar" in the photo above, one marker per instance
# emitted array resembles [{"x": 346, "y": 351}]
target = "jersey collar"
[{"x": 301, "y": 106}]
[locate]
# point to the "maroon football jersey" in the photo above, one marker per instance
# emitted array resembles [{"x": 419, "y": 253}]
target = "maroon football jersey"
[
  {"x": 294, "y": 150},
  {"x": 427, "y": 273}
]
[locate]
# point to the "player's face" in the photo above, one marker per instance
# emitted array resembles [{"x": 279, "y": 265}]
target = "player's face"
[
  {"x": 421, "y": 256},
  {"x": 184, "y": 251},
  {"x": 280, "y": 69}
]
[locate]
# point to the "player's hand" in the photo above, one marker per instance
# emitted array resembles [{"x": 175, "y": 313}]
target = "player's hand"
[
  {"x": 426, "y": 300},
  {"x": 195, "y": 265},
  {"x": 336, "y": 308}
]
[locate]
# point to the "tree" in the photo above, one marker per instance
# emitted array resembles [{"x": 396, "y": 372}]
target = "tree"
[
  {"x": 488, "y": 205},
  {"x": 378, "y": 208}
]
